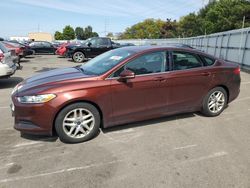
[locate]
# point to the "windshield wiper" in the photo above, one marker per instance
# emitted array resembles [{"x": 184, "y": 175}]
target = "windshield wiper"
[{"x": 79, "y": 68}]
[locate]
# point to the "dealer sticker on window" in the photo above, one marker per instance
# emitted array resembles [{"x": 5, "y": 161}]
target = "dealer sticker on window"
[{"x": 117, "y": 58}]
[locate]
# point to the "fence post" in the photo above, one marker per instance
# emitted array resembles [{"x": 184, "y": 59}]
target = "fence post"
[
  {"x": 207, "y": 44},
  {"x": 215, "y": 47},
  {"x": 244, "y": 49},
  {"x": 229, "y": 36}
]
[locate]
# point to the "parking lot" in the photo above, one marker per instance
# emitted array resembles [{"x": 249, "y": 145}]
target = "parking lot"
[{"x": 187, "y": 150}]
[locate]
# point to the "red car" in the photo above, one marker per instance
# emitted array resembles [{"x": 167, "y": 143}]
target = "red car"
[
  {"x": 61, "y": 50},
  {"x": 18, "y": 48},
  {"x": 122, "y": 86}
]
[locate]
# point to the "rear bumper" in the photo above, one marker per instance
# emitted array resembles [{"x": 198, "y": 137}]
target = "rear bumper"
[
  {"x": 6, "y": 70},
  {"x": 28, "y": 52}
]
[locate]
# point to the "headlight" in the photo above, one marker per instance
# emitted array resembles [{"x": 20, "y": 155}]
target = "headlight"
[
  {"x": 17, "y": 87},
  {"x": 36, "y": 98}
]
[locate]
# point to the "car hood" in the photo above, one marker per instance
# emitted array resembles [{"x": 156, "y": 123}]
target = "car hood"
[{"x": 52, "y": 77}]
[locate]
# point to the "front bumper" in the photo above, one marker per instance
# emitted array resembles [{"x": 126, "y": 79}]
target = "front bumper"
[{"x": 33, "y": 118}]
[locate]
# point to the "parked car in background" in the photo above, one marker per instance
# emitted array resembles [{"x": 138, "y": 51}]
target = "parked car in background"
[
  {"x": 19, "y": 50},
  {"x": 92, "y": 47},
  {"x": 123, "y": 85},
  {"x": 7, "y": 66},
  {"x": 61, "y": 50},
  {"x": 42, "y": 47},
  {"x": 26, "y": 48}
]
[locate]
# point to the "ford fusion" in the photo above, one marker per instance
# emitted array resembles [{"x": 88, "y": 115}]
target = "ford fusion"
[{"x": 121, "y": 86}]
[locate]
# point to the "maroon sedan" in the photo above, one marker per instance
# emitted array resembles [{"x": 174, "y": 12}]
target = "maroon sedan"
[{"x": 121, "y": 86}]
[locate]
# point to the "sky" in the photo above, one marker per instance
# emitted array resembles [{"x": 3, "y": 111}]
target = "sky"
[{"x": 19, "y": 17}]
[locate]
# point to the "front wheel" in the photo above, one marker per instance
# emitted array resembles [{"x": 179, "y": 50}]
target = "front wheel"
[
  {"x": 77, "y": 122},
  {"x": 78, "y": 57},
  {"x": 214, "y": 102}
]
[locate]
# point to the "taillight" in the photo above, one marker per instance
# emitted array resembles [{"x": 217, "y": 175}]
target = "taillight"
[
  {"x": 237, "y": 71},
  {"x": 1, "y": 57}
]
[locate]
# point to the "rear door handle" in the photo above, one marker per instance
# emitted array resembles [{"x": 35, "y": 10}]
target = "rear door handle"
[
  {"x": 160, "y": 79},
  {"x": 206, "y": 74}
]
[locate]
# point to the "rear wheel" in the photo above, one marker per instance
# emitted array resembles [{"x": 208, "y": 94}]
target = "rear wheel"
[
  {"x": 78, "y": 122},
  {"x": 78, "y": 57},
  {"x": 214, "y": 102}
]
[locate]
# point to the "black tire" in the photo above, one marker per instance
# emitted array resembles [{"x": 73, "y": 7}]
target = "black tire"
[
  {"x": 205, "y": 106},
  {"x": 61, "y": 131},
  {"x": 78, "y": 57}
]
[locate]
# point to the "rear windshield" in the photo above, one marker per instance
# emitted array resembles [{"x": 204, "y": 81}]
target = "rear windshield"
[{"x": 3, "y": 48}]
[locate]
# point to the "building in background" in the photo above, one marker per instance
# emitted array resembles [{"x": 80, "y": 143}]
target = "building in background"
[
  {"x": 41, "y": 36},
  {"x": 19, "y": 38}
]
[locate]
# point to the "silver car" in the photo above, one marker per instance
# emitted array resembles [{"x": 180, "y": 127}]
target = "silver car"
[{"x": 7, "y": 66}]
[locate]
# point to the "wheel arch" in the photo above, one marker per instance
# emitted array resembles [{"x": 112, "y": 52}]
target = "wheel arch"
[
  {"x": 78, "y": 101},
  {"x": 227, "y": 90},
  {"x": 224, "y": 87}
]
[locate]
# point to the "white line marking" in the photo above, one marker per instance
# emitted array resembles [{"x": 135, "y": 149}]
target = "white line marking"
[
  {"x": 245, "y": 83},
  {"x": 243, "y": 99},
  {"x": 185, "y": 147},
  {"x": 27, "y": 144},
  {"x": 121, "y": 131},
  {"x": 58, "y": 171},
  {"x": 5, "y": 129},
  {"x": 7, "y": 165},
  {"x": 214, "y": 155}
]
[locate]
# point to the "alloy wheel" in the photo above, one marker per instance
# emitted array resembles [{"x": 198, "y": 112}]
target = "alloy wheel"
[
  {"x": 216, "y": 102},
  {"x": 79, "y": 56},
  {"x": 78, "y": 123}
]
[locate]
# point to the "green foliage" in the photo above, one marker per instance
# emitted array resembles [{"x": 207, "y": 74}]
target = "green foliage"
[
  {"x": 110, "y": 35},
  {"x": 88, "y": 32},
  {"x": 218, "y": 16},
  {"x": 79, "y": 33},
  {"x": 68, "y": 33},
  {"x": 190, "y": 25},
  {"x": 58, "y": 35},
  {"x": 149, "y": 28}
]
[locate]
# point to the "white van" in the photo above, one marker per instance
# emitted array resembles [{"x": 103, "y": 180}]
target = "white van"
[{"x": 7, "y": 66}]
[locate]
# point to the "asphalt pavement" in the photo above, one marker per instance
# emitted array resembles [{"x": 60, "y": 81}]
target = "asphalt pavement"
[{"x": 187, "y": 150}]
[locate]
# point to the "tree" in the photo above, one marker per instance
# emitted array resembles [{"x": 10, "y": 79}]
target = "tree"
[
  {"x": 225, "y": 15},
  {"x": 68, "y": 33},
  {"x": 110, "y": 35},
  {"x": 88, "y": 32},
  {"x": 79, "y": 33},
  {"x": 190, "y": 25},
  {"x": 58, "y": 35},
  {"x": 149, "y": 28},
  {"x": 169, "y": 29}
]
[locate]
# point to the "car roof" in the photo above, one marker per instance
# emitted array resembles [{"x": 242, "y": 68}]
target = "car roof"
[
  {"x": 165, "y": 47},
  {"x": 141, "y": 49}
]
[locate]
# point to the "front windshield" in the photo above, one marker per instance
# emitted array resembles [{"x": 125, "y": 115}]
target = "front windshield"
[{"x": 106, "y": 61}]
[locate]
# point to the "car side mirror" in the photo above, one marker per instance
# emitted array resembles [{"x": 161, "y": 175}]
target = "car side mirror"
[
  {"x": 126, "y": 74},
  {"x": 89, "y": 44}
]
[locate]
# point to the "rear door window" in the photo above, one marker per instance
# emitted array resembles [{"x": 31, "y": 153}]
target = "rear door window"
[
  {"x": 185, "y": 60},
  {"x": 208, "y": 61}
]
